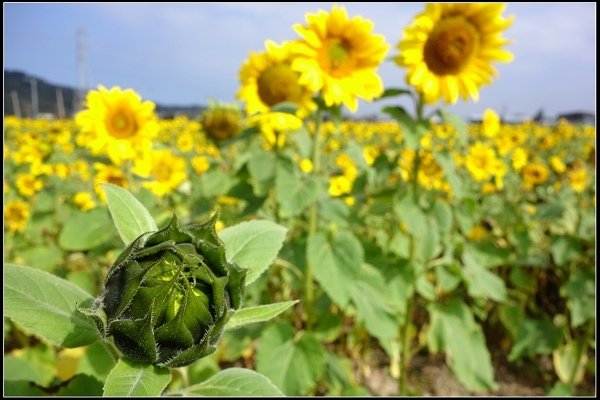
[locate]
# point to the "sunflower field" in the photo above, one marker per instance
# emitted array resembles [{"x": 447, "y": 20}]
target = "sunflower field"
[{"x": 277, "y": 248}]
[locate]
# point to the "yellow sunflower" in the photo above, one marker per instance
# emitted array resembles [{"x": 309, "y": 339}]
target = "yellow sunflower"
[
  {"x": 165, "y": 170},
  {"x": 267, "y": 79},
  {"x": 339, "y": 56},
  {"x": 120, "y": 124},
  {"x": 16, "y": 214},
  {"x": 108, "y": 174},
  {"x": 448, "y": 49}
]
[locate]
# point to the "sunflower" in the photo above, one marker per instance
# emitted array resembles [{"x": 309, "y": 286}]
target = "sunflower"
[
  {"x": 448, "y": 49},
  {"x": 339, "y": 56},
  {"x": 108, "y": 174},
  {"x": 165, "y": 170},
  {"x": 16, "y": 214},
  {"x": 275, "y": 127},
  {"x": 534, "y": 174},
  {"x": 118, "y": 122},
  {"x": 267, "y": 79}
]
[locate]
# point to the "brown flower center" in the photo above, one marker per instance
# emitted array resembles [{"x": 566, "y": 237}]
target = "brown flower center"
[
  {"x": 451, "y": 45},
  {"x": 279, "y": 83},
  {"x": 121, "y": 124}
]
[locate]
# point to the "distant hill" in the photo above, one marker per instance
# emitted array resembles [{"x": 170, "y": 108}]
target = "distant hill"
[{"x": 19, "y": 82}]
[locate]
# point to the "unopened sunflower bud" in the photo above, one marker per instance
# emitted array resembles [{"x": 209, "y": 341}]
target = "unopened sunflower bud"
[
  {"x": 169, "y": 295},
  {"x": 221, "y": 121}
]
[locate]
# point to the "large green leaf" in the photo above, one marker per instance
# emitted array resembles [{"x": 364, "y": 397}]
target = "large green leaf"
[
  {"x": 129, "y": 379},
  {"x": 370, "y": 295},
  {"x": 86, "y": 230},
  {"x": 45, "y": 305},
  {"x": 294, "y": 365},
  {"x": 260, "y": 313},
  {"x": 253, "y": 245},
  {"x": 536, "y": 336},
  {"x": 238, "y": 382},
  {"x": 481, "y": 282},
  {"x": 454, "y": 330},
  {"x": 130, "y": 216},
  {"x": 336, "y": 261},
  {"x": 581, "y": 296},
  {"x": 295, "y": 191}
]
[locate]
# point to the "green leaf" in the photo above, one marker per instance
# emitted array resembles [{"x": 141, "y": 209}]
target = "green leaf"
[
  {"x": 561, "y": 389},
  {"x": 21, "y": 389},
  {"x": 295, "y": 190},
  {"x": 564, "y": 249},
  {"x": 262, "y": 166},
  {"x": 536, "y": 336},
  {"x": 253, "y": 245},
  {"x": 454, "y": 330},
  {"x": 97, "y": 361},
  {"x": 581, "y": 296},
  {"x": 370, "y": 296},
  {"x": 480, "y": 281},
  {"x": 129, "y": 379},
  {"x": 446, "y": 162},
  {"x": 260, "y": 313},
  {"x": 36, "y": 364},
  {"x": 130, "y": 216},
  {"x": 82, "y": 385},
  {"x": 392, "y": 92},
  {"x": 18, "y": 369},
  {"x": 462, "y": 129},
  {"x": 287, "y": 107},
  {"x": 411, "y": 130},
  {"x": 443, "y": 216},
  {"x": 213, "y": 183},
  {"x": 45, "y": 305},
  {"x": 238, "y": 382},
  {"x": 43, "y": 257},
  {"x": 292, "y": 365},
  {"x": 336, "y": 261},
  {"x": 86, "y": 230}
]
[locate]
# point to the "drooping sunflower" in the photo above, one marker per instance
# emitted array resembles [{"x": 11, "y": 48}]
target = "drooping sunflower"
[
  {"x": 339, "y": 56},
  {"x": 267, "y": 78},
  {"x": 119, "y": 123},
  {"x": 448, "y": 49}
]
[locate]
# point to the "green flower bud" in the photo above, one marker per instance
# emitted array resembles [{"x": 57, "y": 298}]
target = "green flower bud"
[{"x": 169, "y": 294}]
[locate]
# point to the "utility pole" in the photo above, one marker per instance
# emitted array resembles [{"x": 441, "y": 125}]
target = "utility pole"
[
  {"x": 14, "y": 96},
  {"x": 34, "y": 96},
  {"x": 60, "y": 104}
]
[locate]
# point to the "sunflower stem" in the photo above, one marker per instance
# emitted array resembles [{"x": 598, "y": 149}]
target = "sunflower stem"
[
  {"x": 309, "y": 290},
  {"x": 404, "y": 331}
]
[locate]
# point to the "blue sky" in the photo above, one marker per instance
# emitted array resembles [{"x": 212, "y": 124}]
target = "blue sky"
[{"x": 189, "y": 53}]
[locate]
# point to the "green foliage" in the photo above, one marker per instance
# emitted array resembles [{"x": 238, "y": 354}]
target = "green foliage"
[
  {"x": 45, "y": 305},
  {"x": 130, "y": 379},
  {"x": 86, "y": 230},
  {"x": 292, "y": 363},
  {"x": 237, "y": 382},
  {"x": 131, "y": 218},
  {"x": 453, "y": 330},
  {"x": 253, "y": 244}
]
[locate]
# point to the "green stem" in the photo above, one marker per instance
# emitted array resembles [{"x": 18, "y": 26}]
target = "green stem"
[
  {"x": 410, "y": 302},
  {"x": 309, "y": 290}
]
